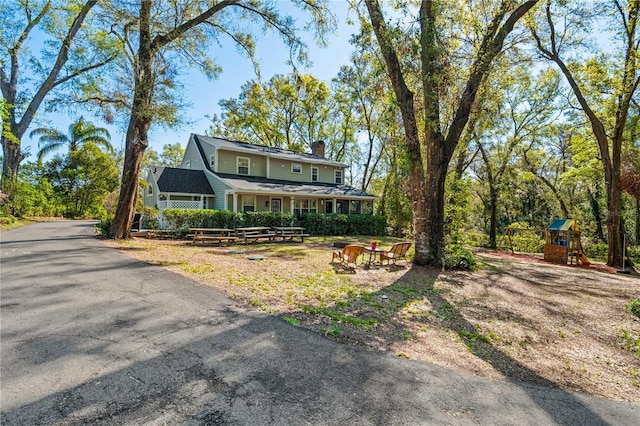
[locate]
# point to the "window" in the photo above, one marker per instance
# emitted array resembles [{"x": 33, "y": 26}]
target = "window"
[
  {"x": 243, "y": 166},
  {"x": 276, "y": 205},
  {"x": 304, "y": 205},
  {"x": 296, "y": 168},
  {"x": 367, "y": 207},
  {"x": 338, "y": 174},
  {"x": 248, "y": 203},
  {"x": 187, "y": 164},
  {"x": 314, "y": 174},
  {"x": 150, "y": 190},
  {"x": 354, "y": 207},
  {"x": 212, "y": 160}
]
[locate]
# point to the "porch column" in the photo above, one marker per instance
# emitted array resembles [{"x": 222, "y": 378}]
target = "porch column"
[
  {"x": 235, "y": 202},
  {"x": 335, "y": 205},
  {"x": 292, "y": 205}
]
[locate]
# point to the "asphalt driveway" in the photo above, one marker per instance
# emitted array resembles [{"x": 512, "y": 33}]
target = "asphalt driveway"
[{"x": 90, "y": 336}]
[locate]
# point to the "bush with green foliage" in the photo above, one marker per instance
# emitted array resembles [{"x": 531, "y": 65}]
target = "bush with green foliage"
[
  {"x": 634, "y": 307},
  {"x": 344, "y": 224},
  {"x": 83, "y": 180},
  {"x": 33, "y": 194},
  {"x": 526, "y": 240},
  {"x": 456, "y": 209},
  {"x": 457, "y": 257},
  {"x": 596, "y": 251},
  {"x": 187, "y": 218},
  {"x": 104, "y": 225}
]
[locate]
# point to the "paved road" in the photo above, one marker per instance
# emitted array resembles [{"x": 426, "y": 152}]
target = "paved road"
[{"x": 90, "y": 336}]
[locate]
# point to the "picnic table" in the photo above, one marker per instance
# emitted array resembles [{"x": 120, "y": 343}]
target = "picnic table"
[
  {"x": 255, "y": 233},
  {"x": 290, "y": 232},
  {"x": 219, "y": 235}
]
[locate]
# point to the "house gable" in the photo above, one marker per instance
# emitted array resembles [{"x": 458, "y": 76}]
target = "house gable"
[{"x": 182, "y": 181}]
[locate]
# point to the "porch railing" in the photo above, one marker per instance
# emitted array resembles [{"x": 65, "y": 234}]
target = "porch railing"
[{"x": 180, "y": 204}]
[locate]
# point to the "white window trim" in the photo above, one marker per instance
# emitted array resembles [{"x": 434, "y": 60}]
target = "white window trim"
[
  {"x": 335, "y": 177},
  {"x": 246, "y": 198},
  {"x": 212, "y": 160},
  {"x": 317, "y": 174},
  {"x": 271, "y": 204},
  {"x": 298, "y": 165},
  {"x": 238, "y": 165}
]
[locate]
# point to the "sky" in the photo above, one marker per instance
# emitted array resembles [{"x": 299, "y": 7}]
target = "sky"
[{"x": 204, "y": 95}]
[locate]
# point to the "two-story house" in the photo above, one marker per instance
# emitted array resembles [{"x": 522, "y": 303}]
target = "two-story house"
[{"x": 221, "y": 174}]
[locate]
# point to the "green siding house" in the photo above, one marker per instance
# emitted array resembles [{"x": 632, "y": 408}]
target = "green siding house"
[{"x": 222, "y": 174}]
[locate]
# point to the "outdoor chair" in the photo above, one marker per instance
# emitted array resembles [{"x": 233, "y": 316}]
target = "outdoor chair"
[
  {"x": 349, "y": 254},
  {"x": 397, "y": 251}
]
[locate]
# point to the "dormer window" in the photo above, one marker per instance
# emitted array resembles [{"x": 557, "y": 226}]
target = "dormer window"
[
  {"x": 212, "y": 160},
  {"x": 187, "y": 164},
  {"x": 338, "y": 175},
  {"x": 242, "y": 166},
  {"x": 296, "y": 168},
  {"x": 314, "y": 174}
]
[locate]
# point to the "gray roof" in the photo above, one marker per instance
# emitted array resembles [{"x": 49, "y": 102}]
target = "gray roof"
[
  {"x": 183, "y": 181},
  {"x": 260, "y": 184},
  {"x": 267, "y": 151}
]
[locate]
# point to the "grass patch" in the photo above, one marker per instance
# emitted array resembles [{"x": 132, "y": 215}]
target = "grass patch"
[
  {"x": 333, "y": 331},
  {"x": 292, "y": 321},
  {"x": 367, "y": 324},
  {"x": 471, "y": 339},
  {"x": 631, "y": 342},
  {"x": 634, "y": 307}
]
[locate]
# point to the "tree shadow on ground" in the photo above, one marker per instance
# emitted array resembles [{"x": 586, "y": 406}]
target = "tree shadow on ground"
[{"x": 348, "y": 319}]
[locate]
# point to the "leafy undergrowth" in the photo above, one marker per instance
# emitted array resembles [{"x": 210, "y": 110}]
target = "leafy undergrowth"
[{"x": 546, "y": 324}]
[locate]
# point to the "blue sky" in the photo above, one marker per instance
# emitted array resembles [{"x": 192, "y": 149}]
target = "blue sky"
[{"x": 204, "y": 95}]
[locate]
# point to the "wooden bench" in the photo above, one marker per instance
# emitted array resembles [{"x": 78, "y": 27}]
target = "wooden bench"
[
  {"x": 216, "y": 238},
  {"x": 218, "y": 235},
  {"x": 288, "y": 233},
  {"x": 253, "y": 234}
]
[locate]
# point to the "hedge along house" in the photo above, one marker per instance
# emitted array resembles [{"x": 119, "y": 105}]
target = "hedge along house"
[{"x": 248, "y": 177}]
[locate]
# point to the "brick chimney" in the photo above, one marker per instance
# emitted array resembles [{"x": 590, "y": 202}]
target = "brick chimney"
[{"x": 317, "y": 148}]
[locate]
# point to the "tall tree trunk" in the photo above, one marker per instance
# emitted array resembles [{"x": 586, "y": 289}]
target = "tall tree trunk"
[
  {"x": 610, "y": 147},
  {"x": 614, "y": 219},
  {"x": 493, "y": 207},
  {"x": 637, "y": 222},
  {"x": 139, "y": 124},
  {"x": 597, "y": 216},
  {"x": 428, "y": 190},
  {"x": 11, "y": 159},
  {"x": 404, "y": 97}
]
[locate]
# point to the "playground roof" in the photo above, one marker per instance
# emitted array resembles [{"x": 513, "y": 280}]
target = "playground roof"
[{"x": 563, "y": 225}]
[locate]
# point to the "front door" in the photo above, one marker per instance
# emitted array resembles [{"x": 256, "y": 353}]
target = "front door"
[
  {"x": 328, "y": 206},
  {"x": 276, "y": 205}
]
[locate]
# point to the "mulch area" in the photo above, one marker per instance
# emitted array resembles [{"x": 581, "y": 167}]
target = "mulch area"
[{"x": 599, "y": 267}]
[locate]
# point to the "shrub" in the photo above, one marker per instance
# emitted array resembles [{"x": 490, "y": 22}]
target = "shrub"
[
  {"x": 526, "y": 241},
  {"x": 183, "y": 219},
  {"x": 344, "y": 224},
  {"x": 104, "y": 225},
  {"x": 459, "y": 258},
  {"x": 597, "y": 251},
  {"x": 634, "y": 307}
]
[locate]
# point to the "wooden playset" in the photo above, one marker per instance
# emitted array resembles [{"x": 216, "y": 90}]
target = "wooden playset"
[{"x": 562, "y": 242}]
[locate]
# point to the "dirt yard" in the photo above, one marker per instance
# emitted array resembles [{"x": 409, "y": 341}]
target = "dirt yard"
[{"x": 516, "y": 318}]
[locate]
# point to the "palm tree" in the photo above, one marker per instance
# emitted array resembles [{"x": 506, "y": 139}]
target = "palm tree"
[{"x": 80, "y": 133}]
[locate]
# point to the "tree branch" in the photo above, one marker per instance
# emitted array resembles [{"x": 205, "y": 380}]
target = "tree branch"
[{"x": 61, "y": 59}]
